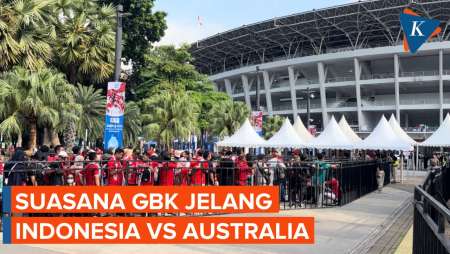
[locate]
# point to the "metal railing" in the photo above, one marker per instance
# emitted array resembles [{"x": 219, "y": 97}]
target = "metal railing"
[
  {"x": 310, "y": 184},
  {"x": 431, "y": 214},
  {"x": 377, "y": 76},
  {"x": 419, "y": 73},
  {"x": 340, "y": 79}
]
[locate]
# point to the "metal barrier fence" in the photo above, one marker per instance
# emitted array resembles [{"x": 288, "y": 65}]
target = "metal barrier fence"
[
  {"x": 302, "y": 184},
  {"x": 432, "y": 215}
]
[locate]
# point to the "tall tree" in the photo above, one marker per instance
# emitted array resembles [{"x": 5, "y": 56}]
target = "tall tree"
[
  {"x": 170, "y": 65},
  {"x": 23, "y": 34},
  {"x": 83, "y": 40},
  {"x": 32, "y": 99},
  {"x": 132, "y": 127},
  {"x": 142, "y": 26},
  {"x": 92, "y": 102},
  {"x": 168, "y": 116},
  {"x": 227, "y": 117}
]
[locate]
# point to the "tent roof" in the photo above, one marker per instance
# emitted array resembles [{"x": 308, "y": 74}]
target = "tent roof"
[
  {"x": 441, "y": 137},
  {"x": 246, "y": 136},
  {"x": 286, "y": 137},
  {"x": 301, "y": 130},
  {"x": 332, "y": 137},
  {"x": 399, "y": 131},
  {"x": 345, "y": 127},
  {"x": 383, "y": 137}
]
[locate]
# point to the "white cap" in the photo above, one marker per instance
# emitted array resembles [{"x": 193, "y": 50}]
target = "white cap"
[{"x": 63, "y": 154}]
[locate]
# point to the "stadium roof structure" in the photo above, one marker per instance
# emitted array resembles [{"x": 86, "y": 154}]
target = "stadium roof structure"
[{"x": 362, "y": 24}]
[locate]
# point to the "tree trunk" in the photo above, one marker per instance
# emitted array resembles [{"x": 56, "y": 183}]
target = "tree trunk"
[
  {"x": 70, "y": 135},
  {"x": 19, "y": 140},
  {"x": 54, "y": 138},
  {"x": 33, "y": 134},
  {"x": 72, "y": 75},
  {"x": 47, "y": 140}
]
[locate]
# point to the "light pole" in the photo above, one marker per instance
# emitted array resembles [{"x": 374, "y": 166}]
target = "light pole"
[
  {"x": 257, "y": 89},
  {"x": 308, "y": 108},
  {"x": 309, "y": 95},
  {"x": 118, "y": 56}
]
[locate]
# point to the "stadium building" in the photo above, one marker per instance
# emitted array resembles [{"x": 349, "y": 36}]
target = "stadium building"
[{"x": 350, "y": 58}]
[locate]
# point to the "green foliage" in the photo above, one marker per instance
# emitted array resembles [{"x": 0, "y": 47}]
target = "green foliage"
[
  {"x": 172, "y": 67},
  {"x": 23, "y": 38},
  {"x": 141, "y": 27},
  {"x": 169, "y": 115},
  {"x": 132, "y": 128},
  {"x": 227, "y": 117},
  {"x": 92, "y": 102},
  {"x": 271, "y": 125},
  {"x": 32, "y": 99},
  {"x": 83, "y": 40}
]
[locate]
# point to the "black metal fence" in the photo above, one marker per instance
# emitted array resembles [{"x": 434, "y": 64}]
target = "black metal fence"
[
  {"x": 302, "y": 184},
  {"x": 432, "y": 215}
]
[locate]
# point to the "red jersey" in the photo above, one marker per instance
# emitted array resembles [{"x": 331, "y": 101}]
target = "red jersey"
[
  {"x": 115, "y": 172},
  {"x": 198, "y": 167},
  {"x": 334, "y": 183},
  {"x": 184, "y": 173},
  {"x": 243, "y": 171},
  {"x": 166, "y": 173},
  {"x": 92, "y": 169},
  {"x": 131, "y": 167}
]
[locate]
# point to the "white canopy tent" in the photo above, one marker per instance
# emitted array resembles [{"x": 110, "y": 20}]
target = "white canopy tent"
[
  {"x": 286, "y": 137},
  {"x": 345, "y": 127},
  {"x": 399, "y": 131},
  {"x": 332, "y": 137},
  {"x": 301, "y": 130},
  {"x": 441, "y": 137},
  {"x": 245, "y": 137},
  {"x": 383, "y": 137}
]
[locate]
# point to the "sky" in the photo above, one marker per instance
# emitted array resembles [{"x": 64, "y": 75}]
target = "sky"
[{"x": 221, "y": 15}]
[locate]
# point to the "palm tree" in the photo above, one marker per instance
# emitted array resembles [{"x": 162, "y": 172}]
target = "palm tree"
[
  {"x": 23, "y": 34},
  {"x": 92, "y": 115},
  {"x": 132, "y": 128},
  {"x": 83, "y": 37},
  {"x": 32, "y": 99},
  {"x": 272, "y": 125},
  {"x": 168, "y": 116},
  {"x": 227, "y": 117}
]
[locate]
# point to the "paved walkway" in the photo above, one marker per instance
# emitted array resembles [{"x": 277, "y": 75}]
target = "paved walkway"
[{"x": 347, "y": 229}]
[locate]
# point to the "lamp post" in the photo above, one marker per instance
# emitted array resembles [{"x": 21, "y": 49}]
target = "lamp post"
[
  {"x": 257, "y": 89},
  {"x": 309, "y": 95},
  {"x": 118, "y": 55}
]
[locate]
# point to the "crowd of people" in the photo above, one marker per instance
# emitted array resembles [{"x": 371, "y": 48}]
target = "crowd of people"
[{"x": 298, "y": 178}]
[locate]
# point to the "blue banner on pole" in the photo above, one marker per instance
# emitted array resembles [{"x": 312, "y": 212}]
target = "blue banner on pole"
[{"x": 114, "y": 119}]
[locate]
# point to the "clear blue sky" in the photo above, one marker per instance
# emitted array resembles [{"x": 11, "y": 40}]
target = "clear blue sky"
[{"x": 221, "y": 15}]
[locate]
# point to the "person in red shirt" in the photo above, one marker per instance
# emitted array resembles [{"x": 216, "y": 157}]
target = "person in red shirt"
[
  {"x": 198, "y": 169},
  {"x": 184, "y": 164},
  {"x": 92, "y": 170},
  {"x": 115, "y": 169},
  {"x": 243, "y": 171},
  {"x": 166, "y": 171},
  {"x": 130, "y": 165}
]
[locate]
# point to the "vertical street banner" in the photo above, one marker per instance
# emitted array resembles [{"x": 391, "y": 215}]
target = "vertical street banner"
[
  {"x": 257, "y": 121},
  {"x": 114, "y": 119}
]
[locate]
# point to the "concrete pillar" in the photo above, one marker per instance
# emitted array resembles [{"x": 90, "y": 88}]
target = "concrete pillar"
[
  {"x": 228, "y": 87},
  {"x": 267, "y": 84},
  {"x": 246, "y": 91},
  {"x": 397, "y": 87},
  {"x": 357, "y": 67},
  {"x": 441, "y": 86},
  {"x": 292, "y": 80},
  {"x": 323, "y": 96}
]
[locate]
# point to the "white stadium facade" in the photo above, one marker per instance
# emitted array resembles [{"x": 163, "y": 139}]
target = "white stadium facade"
[{"x": 351, "y": 59}]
